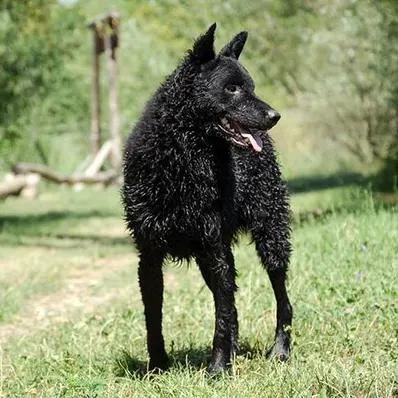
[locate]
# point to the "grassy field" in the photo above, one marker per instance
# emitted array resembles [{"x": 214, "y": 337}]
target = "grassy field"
[{"x": 71, "y": 321}]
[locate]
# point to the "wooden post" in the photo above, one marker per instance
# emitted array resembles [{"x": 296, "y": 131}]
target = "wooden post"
[
  {"x": 111, "y": 43},
  {"x": 95, "y": 132}
]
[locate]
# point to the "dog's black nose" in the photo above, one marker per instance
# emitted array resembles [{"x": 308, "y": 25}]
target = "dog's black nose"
[{"x": 273, "y": 116}]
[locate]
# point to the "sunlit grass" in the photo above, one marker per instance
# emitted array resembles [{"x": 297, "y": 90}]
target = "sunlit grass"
[{"x": 342, "y": 284}]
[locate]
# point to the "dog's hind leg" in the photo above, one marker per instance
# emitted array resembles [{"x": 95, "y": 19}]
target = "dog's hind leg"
[
  {"x": 218, "y": 271},
  {"x": 151, "y": 285},
  {"x": 273, "y": 249}
]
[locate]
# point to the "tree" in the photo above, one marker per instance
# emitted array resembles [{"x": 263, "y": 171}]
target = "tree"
[
  {"x": 355, "y": 84},
  {"x": 36, "y": 37}
]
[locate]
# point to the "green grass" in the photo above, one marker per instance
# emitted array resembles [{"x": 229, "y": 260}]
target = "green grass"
[{"x": 67, "y": 254}]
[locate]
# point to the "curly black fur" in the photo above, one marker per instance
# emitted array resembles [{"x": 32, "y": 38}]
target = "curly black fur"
[{"x": 193, "y": 179}]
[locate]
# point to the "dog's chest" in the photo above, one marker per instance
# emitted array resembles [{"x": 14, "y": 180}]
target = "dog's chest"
[{"x": 203, "y": 190}]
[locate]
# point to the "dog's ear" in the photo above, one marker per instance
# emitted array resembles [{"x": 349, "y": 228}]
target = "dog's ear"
[
  {"x": 235, "y": 46},
  {"x": 203, "y": 48}
]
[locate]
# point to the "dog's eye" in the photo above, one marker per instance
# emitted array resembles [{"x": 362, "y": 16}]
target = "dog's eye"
[{"x": 232, "y": 89}]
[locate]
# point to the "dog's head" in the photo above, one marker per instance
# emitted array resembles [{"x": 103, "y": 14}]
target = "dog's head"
[{"x": 227, "y": 92}]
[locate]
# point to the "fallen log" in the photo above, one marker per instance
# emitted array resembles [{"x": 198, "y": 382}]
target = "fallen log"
[
  {"x": 24, "y": 185},
  {"x": 106, "y": 177},
  {"x": 12, "y": 187}
]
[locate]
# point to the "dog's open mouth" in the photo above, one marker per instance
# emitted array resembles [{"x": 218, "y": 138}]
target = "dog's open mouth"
[{"x": 241, "y": 135}]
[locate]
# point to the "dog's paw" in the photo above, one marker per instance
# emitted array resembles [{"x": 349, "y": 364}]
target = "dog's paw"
[
  {"x": 216, "y": 368},
  {"x": 279, "y": 351},
  {"x": 158, "y": 365}
]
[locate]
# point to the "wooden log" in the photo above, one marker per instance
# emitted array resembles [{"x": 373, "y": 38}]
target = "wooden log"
[
  {"x": 92, "y": 168},
  {"x": 110, "y": 20},
  {"x": 99, "y": 160},
  {"x": 107, "y": 177},
  {"x": 23, "y": 185},
  {"x": 83, "y": 165},
  {"x": 111, "y": 43},
  {"x": 95, "y": 132},
  {"x": 30, "y": 190},
  {"x": 12, "y": 186}
]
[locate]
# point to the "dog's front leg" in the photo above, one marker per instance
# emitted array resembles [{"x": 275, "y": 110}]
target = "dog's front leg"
[
  {"x": 273, "y": 248},
  {"x": 220, "y": 272},
  {"x": 206, "y": 266}
]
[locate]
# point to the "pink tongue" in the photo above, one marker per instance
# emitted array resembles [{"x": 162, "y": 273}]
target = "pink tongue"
[{"x": 256, "y": 144}]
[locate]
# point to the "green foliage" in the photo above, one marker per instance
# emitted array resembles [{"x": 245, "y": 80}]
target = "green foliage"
[
  {"x": 329, "y": 66},
  {"x": 355, "y": 89},
  {"x": 37, "y": 41}
]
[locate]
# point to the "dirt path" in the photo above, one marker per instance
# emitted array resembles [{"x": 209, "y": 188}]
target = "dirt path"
[{"x": 81, "y": 294}]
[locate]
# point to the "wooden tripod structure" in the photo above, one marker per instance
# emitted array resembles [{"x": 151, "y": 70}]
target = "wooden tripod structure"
[
  {"x": 105, "y": 41},
  {"x": 25, "y": 176}
]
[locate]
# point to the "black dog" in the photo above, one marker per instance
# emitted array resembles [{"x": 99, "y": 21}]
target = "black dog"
[{"x": 199, "y": 168}]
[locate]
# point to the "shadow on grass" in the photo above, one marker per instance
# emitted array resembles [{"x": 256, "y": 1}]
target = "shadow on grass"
[
  {"x": 321, "y": 214},
  {"x": 129, "y": 366},
  {"x": 65, "y": 241},
  {"x": 38, "y": 230},
  {"x": 319, "y": 182},
  {"x": 51, "y": 217},
  {"x": 194, "y": 358}
]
